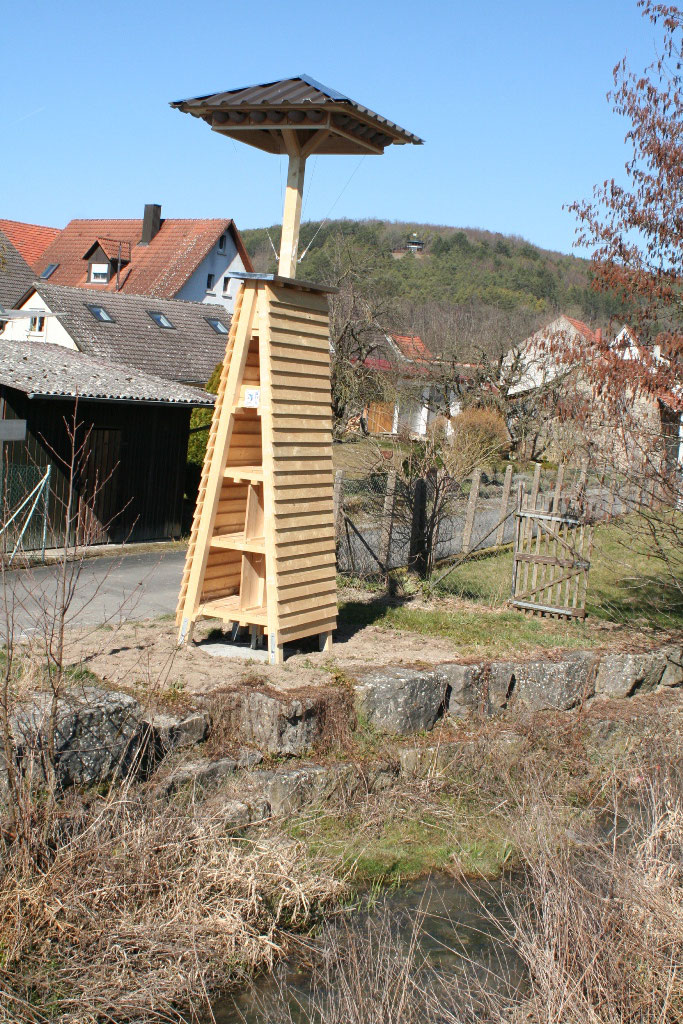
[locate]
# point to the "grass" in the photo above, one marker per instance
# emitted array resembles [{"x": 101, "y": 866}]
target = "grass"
[
  {"x": 489, "y": 635},
  {"x": 627, "y": 582}
]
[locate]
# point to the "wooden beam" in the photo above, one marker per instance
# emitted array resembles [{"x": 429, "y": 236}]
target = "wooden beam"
[{"x": 291, "y": 217}]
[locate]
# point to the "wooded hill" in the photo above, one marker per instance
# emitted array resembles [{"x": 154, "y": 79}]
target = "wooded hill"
[{"x": 458, "y": 266}]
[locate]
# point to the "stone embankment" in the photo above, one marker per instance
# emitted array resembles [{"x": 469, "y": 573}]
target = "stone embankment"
[{"x": 100, "y": 734}]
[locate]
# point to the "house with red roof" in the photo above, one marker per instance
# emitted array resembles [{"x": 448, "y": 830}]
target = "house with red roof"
[
  {"x": 166, "y": 258},
  {"x": 407, "y": 359},
  {"x": 30, "y": 240}
]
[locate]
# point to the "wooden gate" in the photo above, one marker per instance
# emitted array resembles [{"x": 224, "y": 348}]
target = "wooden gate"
[{"x": 550, "y": 569}]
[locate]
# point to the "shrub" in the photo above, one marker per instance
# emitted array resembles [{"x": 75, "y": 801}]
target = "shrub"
[{"x": 478, "y": 427}]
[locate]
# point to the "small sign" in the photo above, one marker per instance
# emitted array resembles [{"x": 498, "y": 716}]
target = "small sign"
[
  {"x": 252, "y": 398},
  {"x": 12, "y": 430}
]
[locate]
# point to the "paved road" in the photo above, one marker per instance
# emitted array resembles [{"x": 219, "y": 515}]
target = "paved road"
[{"x": 109, "y": 590}]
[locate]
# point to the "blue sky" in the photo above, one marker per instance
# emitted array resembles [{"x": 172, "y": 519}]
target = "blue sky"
[{"x": 508, "y": 96}]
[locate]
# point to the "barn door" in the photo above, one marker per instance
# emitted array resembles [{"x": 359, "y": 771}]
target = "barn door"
[{"x": 99, "y": 488}]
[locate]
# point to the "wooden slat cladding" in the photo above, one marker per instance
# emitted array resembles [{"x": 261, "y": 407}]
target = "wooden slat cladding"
[
  {"x": 302, "y": 473},
  {"x": 262, "y": 551}
]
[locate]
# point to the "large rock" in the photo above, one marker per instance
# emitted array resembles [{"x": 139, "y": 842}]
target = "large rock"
[
  {"x": 274, "y": 722},
  {"x": 673, "y": 673},
  {"x": 620, "y": 675},
  {"x": 401, "y": 700},
  {"x": 464, "y": 687},
  {"x": 170, "y": 732},
  {"x": 541, "y": 684},
  {"x": 98, "y": 735},
  {"x": 289, "y": 790}
]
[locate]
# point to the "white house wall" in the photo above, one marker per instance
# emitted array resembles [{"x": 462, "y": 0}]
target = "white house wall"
[
  {"x": 54, "y": 333},
  {"x": 219, "y": 263}
]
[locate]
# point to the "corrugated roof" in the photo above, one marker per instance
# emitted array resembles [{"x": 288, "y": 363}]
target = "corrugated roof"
[
  {"x": 30, "y": 240},
  {"x": 15, "y": 274},
  {"x": 352, "y": 127},
  {"x": 160, "y": 268},
  {"x": 52, "y": 371},
  {"x": 187, "y": 353}
]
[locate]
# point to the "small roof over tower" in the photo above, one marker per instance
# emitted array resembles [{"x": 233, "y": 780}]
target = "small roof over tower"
[{"x": 325, "y": 121}]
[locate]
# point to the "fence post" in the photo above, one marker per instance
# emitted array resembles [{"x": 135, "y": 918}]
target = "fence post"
[
  {"x": 337, "y": 500},
  {"x": 536, "y": 485},
  {"x": 388, "y": 519},
  {"x": 504, "y": 501},
  {"x": 471, "y": 509},
  {"x": 559, "y": 483},
  {"x": 418, "y": 533}
]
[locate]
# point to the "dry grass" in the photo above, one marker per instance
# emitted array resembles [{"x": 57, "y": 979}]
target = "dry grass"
[
  {"x": 126, "y": 910},
  {"x": 595, "y": 920}
]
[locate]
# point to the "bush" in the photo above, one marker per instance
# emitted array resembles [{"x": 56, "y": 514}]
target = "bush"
[
  {"x": 196, "y": 446},
  {"x": 481, "y": 428}
]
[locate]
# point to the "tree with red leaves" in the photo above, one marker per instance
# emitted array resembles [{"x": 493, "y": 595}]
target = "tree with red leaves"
[{"x": 635, "y": 229}]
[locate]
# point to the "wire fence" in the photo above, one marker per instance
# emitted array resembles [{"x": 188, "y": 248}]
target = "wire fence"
[{"x": 384, "y": 522}]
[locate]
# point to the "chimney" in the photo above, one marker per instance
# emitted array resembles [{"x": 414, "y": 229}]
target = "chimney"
[{"x": 151, "y": 222}]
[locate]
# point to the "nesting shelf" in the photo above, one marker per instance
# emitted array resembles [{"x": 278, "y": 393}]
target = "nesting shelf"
[{"x": 262, "y": 548}]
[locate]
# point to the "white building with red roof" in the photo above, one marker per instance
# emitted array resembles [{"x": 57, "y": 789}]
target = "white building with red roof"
[{"x": 166, "y": 258}]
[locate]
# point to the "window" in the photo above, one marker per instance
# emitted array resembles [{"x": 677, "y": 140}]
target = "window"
[
  {"x": 226, "y": 285},
  {"x": 100, "y": 313},
  {"x": 99, "y": 272},
  {"x": 209, "y": 282},
  {"x": 36, "y": 324},
  {"x": 160, "y": 320},
  {"x": 49, "y": 269},
  {"x": 218, "y": 325},
  {"x": 221, "y": 243}
]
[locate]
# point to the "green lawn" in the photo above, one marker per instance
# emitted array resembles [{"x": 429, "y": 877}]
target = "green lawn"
[
  {"x": 629, "y": 586},
  {"x": 629, "y": 582}
]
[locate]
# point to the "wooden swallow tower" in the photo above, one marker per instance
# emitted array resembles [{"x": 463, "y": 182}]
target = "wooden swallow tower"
[{"x": 262, "y": 547}]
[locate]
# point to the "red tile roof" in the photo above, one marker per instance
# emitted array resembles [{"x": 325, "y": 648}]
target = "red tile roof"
[
  {"x": 582, "y": 328},
  {"x": 30, "y": 240},
  {"x": 411, "y": 346},
  {"x": 160, "y": 268}
]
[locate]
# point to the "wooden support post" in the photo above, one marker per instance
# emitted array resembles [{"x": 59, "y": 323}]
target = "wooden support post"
[
  {"x": 471, "y": 509},
  {"x": 337, "y": 501},
  {"x": 291, "y": 217},
  {"x": 418, "y": 536},
  {"x": 325, "y": 641},
  {"x": 535, "y": 486},
  {"x": 559, "y": 482},
  {"x": 504, "y": 501},
  {"x": 388, "y": 519}
]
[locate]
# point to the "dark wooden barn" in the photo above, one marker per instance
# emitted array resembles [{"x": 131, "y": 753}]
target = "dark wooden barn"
[{"x": 131, "y": 432}]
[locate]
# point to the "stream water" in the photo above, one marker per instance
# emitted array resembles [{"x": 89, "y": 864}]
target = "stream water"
[{"x": 454, "y": 923}]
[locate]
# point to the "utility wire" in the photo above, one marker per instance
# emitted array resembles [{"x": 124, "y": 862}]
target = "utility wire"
[{"x": 327, "y": 218}]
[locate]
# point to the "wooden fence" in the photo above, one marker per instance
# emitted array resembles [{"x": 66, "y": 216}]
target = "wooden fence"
[{"x": 382, "y": 526}]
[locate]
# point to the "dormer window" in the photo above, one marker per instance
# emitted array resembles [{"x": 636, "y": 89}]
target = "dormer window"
[
  {"x": 99, "y": 273},
  {"x": 36, "y": 324}
]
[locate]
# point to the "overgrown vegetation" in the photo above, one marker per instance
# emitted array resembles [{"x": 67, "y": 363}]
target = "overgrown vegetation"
[{"x": 458, "y": 267}]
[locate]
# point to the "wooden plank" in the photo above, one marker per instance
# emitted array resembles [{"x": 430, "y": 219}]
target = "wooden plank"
[
  {"x": 297, "y": 632},
  {"x": 471, "y": 508},
  {"x": 294, "y": 464},
  {"x": 504, "y": 502},
  {"x": 291, "y": 216},
  {"x": 310, "y": 617},
  {"x": 301, "y": 566},
  {"x": 314, "y": 547},
  {"x": 214, "y": 478},
  {"x": 307, "y": 589}
]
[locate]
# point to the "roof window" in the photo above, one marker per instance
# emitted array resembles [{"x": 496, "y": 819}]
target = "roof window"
[
  {"x": 161, "y": 320},
  {"x": 100, "y": 313},
  {"x": 99, "y": 273},
  {"x": 49, "y": 269},
  {"x": 218, "y": 325}
]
